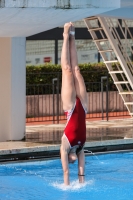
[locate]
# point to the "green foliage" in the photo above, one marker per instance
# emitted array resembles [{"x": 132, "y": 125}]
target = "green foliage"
[{"x": 43, "y": 74}]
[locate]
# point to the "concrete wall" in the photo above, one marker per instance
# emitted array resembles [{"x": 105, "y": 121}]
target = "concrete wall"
[
  {"x": 12, "y": 88},
  {"x": 42, "y": 105}
]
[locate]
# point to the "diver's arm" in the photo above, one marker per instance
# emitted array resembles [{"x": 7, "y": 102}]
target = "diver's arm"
[
  {"x": 64, "y": 160},
  {"x": 65, "y": 147},
  {"x": 81, "y": 166}
]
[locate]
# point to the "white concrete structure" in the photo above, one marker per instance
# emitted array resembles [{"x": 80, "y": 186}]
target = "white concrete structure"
[
  {"x": 12, "y": 88},
  {"x": 21, "y": 18}
]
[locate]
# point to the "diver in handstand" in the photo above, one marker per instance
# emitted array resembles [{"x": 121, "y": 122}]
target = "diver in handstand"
[{"x": 74, "y": 98}]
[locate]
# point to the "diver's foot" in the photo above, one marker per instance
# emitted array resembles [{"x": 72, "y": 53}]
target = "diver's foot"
[
  {"x": 67, "y": 27},
  {"x": 72, "y": 30}
]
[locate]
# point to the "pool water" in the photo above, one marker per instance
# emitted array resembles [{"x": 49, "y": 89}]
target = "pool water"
[{"x": 108, "y": 177}]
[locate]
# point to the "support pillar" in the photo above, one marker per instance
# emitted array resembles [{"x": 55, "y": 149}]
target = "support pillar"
[
  {"x": 56, "y": 51},
  {"x": 12, "y": 88}
]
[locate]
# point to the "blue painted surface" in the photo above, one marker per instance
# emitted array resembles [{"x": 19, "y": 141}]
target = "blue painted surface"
[{"x": 108, "y": 177}]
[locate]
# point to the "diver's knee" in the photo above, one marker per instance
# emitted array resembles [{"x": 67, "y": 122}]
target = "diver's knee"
[{"x": 66, "y": 67}]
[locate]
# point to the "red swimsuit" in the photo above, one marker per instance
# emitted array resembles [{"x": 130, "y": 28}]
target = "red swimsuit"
[{"x": 75, "y": 129}]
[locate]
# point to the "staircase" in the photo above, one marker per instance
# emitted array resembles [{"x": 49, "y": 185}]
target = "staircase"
[{"x": 105, "y": 34}]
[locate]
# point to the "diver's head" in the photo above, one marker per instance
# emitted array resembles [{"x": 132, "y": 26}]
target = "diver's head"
[{"x": 72, "y": 157}]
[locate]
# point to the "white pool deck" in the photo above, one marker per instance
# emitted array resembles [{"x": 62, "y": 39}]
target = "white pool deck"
[{"x": 17, "y": 147}]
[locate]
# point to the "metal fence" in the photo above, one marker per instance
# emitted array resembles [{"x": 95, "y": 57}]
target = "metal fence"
[{"x": 43, "y": 101}]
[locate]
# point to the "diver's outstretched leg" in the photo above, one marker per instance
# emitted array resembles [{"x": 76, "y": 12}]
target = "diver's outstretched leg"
[
  {"x": 78, "y": 79},
  {"x": 68, "y": 89}
]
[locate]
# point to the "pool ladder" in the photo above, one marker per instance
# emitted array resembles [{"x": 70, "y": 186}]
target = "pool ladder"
[{"x": 114, "y": 53}]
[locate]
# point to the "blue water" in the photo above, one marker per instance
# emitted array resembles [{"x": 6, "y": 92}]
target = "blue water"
[{"x": 108, "y": 177}]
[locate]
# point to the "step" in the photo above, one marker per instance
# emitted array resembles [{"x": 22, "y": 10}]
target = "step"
[
  {"x": 107, "y": 50},
  {"x": 100, "y": 40},
  {"x": 116, "y": 72},
  {"x": 128, "y": 92},
  {"x": 128, "y": 103},
  {"x": 91, "y": 18},
  {"x": 95, "y": 29},
  {"x": 111, "y": 61},
  {"x": 121, "y": 82}
]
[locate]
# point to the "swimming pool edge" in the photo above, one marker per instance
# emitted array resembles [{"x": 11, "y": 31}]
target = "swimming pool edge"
[{"x": 46, "y": 151}]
